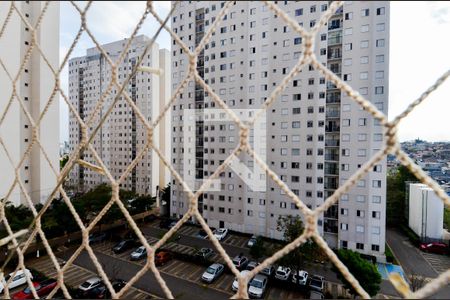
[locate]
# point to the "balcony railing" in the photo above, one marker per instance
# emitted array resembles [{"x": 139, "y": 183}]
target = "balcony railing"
[
  {"x": 330, "y": 185},
  {"x": 335, "y": 40},
  {"x": 331, "y": 143},
  {"x": 332, "y": 114},
  {"x": 331, "y": 171},
  {"x": 332, "y": 157},
  {"x": 334, "y": 55},
  {"x": 333, "y": 98},
  {"x": 332, "y": 128}
]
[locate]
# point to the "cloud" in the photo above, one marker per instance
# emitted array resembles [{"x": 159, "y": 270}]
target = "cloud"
[{"x": 440, "y": 12}]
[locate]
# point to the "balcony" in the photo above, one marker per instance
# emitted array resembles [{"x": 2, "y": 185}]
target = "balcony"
[
  {"x": 331, "y": 143},
  {"x": 332, "y": 128},
  {"x": 332, "y": 157},
  {"x": 332, "y": 114},
  {"x": 332, "y": 171},
  {"x": 331, "y": 86},
  {"x": 334, "y": 55},
  {"x": 336, "y": 40},
  {"x": 330, "y": 226},
  {"x": 333, "y": 98},
  {"x": 331, "y": 185}
]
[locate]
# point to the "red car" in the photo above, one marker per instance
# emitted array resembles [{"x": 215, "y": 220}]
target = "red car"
[
  {"x": 42, "y": 288},
  {"x": 162, "y": 257},
  {"x": 435, "y": 247}
]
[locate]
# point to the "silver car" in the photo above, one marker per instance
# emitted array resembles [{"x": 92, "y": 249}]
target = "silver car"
[
  {"x": 257, "y": 287},
  {"x": 283, "y": 273},
  {"x": 139, "y": 253},
  {"x": 235, "y": 285},
  {"x": 212, "y": 272},
  {"x": 90, "y": 284}
]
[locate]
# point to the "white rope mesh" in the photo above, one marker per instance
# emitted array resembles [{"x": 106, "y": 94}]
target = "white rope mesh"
[{"x": 391, "y": 146}]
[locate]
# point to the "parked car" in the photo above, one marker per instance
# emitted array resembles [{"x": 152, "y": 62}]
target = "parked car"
[
  {"x": 90, "y": 284},
  {"x": 302, "y": 278},
  {"x": 99, "y": 292},
  {"x": 172, "y": 224},
  {"x": 139, "y": 253},
  {"x": 316, "y": 283},
  {"x": 316, "y": 295},
  {"x": 212, "y": 272},
  {"x": 97, "y": 237},
  {"x": 18, "y": 279},
  {"x": 257, "y": 286},
  {"x": 165, "y": 223},
  {"x": 235, "y": 285},
  {"x": 42, "y": 289},
  {"x": 283, "y": 273},
  {"x": 435, "y": 247},
  {"x": 162, "y": 257},
  {"x": 123, "y": 246},
  {"x": 251, "y": 241},
  {"x": 251, "y": 265},
  {"x": 240, "y": 261},
  {"x": 118, "y": 284},
  {"x": 202, "y": 234},
  {"x": 204, "y": 253},
  {"x": 268, "y": 271},
  {"x": 220, "y": 233}
]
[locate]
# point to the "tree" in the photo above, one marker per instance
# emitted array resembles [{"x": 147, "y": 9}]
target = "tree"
[
  {"x": 63, "y": 161},
  {"x": 364, "y": 271},
  {"x": 292, "y": 228},
  {"x": 257, "y": 250},
  {"x": 396, "y": 193}
]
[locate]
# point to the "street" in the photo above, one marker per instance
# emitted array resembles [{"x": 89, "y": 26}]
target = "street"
[{"x": 414, "y": 262}]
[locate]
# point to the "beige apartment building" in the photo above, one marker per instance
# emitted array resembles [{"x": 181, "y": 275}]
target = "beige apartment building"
[
  {"x": 316, "y": 136},
  {"x": 123, "y": 135},
  {"x": 34, "y": 87}
]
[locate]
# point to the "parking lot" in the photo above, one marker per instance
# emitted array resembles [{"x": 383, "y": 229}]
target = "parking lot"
[
  {"x": 76, "y": 275},
  {"x": 440, "y": 263}
]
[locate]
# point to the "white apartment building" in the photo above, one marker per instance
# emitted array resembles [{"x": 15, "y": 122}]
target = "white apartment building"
[
  {"x": 122, "y": 135},
  {"x": 317, "y": 137},
  {"x": 34, "y": 87}
]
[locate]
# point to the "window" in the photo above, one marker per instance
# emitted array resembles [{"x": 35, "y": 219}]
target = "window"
[
  {"x": 376, "y": 230},
  {"x": 359, "y": 246},
  {"x": 377, "y": 137},
  {"x": 376, "y": 214},
  {"x": 380, "y": 27},
  {"x": 348, "y": 46},
  {"x": 312, "y": 8},
  {"x": 365, "y": 44},
  {"x": 344, "y": 244},
  {"x": 299, "y": 12},
  {"x": 363, "y": 75},
  {"x": 348, "y": 31},
  {"x": 360, "y": 213},
  {"x": 379, "y": 90},
  {"x": 375, "y": 247},
  {"x": 376, "y": 199},
  {"x": 380, "y": 11},
  {"x": 379, "y": 58},
  {"x": 362, "y": 122},
  {"x": 380, "y": 43},
  {"x": 349, "y": 16},
  {"x": 376, "y": 183},
  {"x": 365, "y": 12},
  {"x": 365, "y": 28},
  {"x": 360, "y": 229},
  {"x": 363, "y": 91},
  {"x": 297, "y": 40},
  {"x": 379, "y": 74},
  {"x": 344, "y": 226},
  {"x": 344, "y": 211}
]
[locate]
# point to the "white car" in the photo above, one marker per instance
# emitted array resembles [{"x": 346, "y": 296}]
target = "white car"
[
  {"x": 257, "y": 286},
  {"x": 212, "y": 272},
  {"x": 139, "y": 253},
  {"x": 302, "y": 278},
  {"x": 282, "y": 273},
  {"x": 235, "y": 285},
  {"x": 90, "y": 284},
  {"x": 220, "y": 233},
  {"x": 17, "y": 279}
]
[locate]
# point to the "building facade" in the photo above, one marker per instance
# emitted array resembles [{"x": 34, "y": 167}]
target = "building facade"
[
  {"x": 122, "y": 136},
  {"x": 316, "y": 136},
  {"x": 34, "y": 87}
]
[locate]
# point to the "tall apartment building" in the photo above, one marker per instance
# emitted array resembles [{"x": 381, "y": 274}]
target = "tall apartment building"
[
  {"x": 317, "y": 137},
  {"x": 123, "y": 135},
  {"x": 34, "y": 87}
]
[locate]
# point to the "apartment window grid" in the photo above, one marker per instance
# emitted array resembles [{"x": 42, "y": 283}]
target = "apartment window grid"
[{"x": 423, "y": 292}]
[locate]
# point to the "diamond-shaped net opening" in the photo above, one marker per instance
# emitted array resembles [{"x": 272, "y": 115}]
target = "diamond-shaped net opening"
[{"x": 116, "y": 91}]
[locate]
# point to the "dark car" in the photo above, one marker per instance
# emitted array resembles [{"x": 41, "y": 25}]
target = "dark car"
[
  {"x": 43, "y": 288},
  {"x": 118, "y": 284},
  {"x": 165, "y": 223},
  {"x": 240, "y": 262},
  {"x": 202, "y": 234},
  {"x": 99, "y": 292},
  {"x": 150, "y": 218},
  {"x": 316, "y": 283},
  {"x": 204, "y": 253},
  {"x": 435, "y": 247},
  {"x": 123, "y": 246},
  {"x": 97, "y": 237}
]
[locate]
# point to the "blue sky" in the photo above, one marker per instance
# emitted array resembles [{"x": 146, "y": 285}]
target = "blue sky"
[{"x": 419, "y": 54}]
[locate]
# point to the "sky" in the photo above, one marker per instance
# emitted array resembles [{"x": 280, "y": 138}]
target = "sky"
[{"x": 419, "y": 55}]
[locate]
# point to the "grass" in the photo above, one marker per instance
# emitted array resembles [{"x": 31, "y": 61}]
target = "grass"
[
  {"x": 447, "y": 218},
  {"x": 389, "y": 255}
]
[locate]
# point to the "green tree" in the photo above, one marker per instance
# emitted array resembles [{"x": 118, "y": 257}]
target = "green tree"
[
  {"x": 396, "y": 193},
  {"x": 292, "y": 228},
  {"x": 365, "y": 272},
  {"x": 257, "y": 250},
  {"x": 63, "y": 161}
]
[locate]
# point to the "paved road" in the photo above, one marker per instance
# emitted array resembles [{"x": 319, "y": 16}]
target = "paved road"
[
  {"x": 411, "y": 260},
  {"x": 181, "y": 289}
]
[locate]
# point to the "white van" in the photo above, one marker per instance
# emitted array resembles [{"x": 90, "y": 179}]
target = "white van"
[{"x": 17, "y": 279}]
